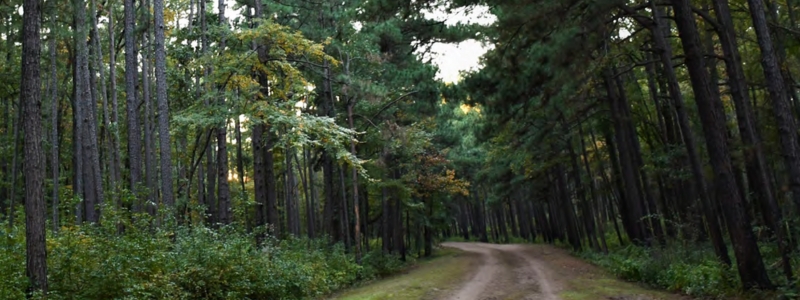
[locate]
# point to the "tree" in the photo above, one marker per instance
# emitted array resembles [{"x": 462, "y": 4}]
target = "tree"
[
  {"x": 132, "y": 105},
  {"x": 31, "y": 102},
  {"x": 163, "y": 106},
  {"x": 749, "y": 261},
  {"x": 91, "y": 187}
]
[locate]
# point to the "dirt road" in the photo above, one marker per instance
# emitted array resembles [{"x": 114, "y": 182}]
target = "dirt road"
[
  {"x": 478, "y": 271},
  {"x": 507, "y": 271},
  {"x": 538, "y": 272}
]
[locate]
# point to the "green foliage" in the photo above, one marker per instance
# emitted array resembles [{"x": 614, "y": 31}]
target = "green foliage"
[
  {"x": 12, "y": 265},
  {"x": 93, "y": 262},
  {"x": 377, "y": 264},
  {"x": 692, "y": 271}
]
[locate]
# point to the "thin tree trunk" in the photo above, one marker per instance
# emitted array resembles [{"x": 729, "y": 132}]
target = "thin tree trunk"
[
  {"x": 587, "y": 216},
  {"x": 149, "y": 141},
  {"x": 304, "y": 179},
  {"x": 273, "y": 219},
  {"x": 567, "y": 210},
  {"x": 634, "y": 212},
  {"x": 345, "y": 217},
  {"x": 163, "y": 106},
  {"x": 91, "y": 173},
  {"x": 259, "y": 176},
  {"x": 354, "y": 172},
  {"x": 77, "y": 138},
  {"x": 116, "y": 173},
  {"x": 97, "y": 63},
  {"x": 54, "y": 114},
  {"x": 312, "y": 209},
  {"x": 134, "y": 131},
  {"x": 600, "y": 229},
  {"x": 223, "y": 192},
  {"x": 239, "y": 157}
]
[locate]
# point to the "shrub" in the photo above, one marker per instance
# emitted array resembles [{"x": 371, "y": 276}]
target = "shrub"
[
  {"x": 181, "y": 262},
  {"x": 377, "y": 264},
  {"x": 695, "y": 272}
]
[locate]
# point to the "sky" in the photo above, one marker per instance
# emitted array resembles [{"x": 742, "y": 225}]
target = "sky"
[
  {"x": 450, "y": 58},
  {"x": 454, "y": 58}
]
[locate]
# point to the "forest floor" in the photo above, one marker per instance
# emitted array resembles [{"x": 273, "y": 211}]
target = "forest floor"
[{"x": 478, "y": 271}]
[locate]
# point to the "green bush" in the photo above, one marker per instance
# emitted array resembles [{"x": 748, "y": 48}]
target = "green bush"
[
  {"x": 694, "y": 272},
  {"x": 377, "y": 264},
  {"x": 94, "y": 262},
  {"x": 12, "y": 265}
]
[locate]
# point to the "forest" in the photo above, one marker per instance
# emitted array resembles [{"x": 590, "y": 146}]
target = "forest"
[{"x": 287, "y": 149}]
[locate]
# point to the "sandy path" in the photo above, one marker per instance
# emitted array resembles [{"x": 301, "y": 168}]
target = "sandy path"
[{"x": 507, "y": 272}]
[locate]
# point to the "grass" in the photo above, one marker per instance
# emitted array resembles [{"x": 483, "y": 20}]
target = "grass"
[
  {"x": 425, "y": 280},
  {"x": 607, "y": 287}
]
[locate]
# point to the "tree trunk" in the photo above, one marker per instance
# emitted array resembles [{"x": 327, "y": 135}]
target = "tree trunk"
[
  {"x": 634, "y": 212},
  {"x": 149, "y": 141},
  {"x": 787, "y": 129},
  {"x": 292, "y": 205},
  {"x": 97, "y": 64},
  {"x": 273, "y": 219},
  {"x": 134, "y": 131},
  {"x": 116, "y": 173},
  {"x": 259, "y": 175},
  {"x": 163, "y": 106},
  {"x": 54, "y": 116},
  {"x": 587, "y": 215},
  {"x": 240, "y": 157},
  {"x": 301, "y": 169},
  {"x": 600, "y": 229},
  {"x": 354, "y": 175},
  {"x": 755, "y": 161},
  {"x": 386, "y": 233},
  {"x": 665, "y": 51},
  {"x": 312, "y": 199},
  {"x": 567, "y": 209},
  {"x": 34, "y": 169},
  {"x": 749, "y": 262},
  {"x": 93, "y": 191},
  {"x": 223, "y": 191},
  {"x": 345, "y": 217}
]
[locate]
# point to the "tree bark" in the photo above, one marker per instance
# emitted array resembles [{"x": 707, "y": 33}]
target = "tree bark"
[
  {"x": 354, "y": 172},
  {"x": 150, "y": 170},
  {"x": 312, "y": 200},
  {"x": 54, "y": 116},
  {"x": 134, "y": 131},
  {"x": 163, "y": 106},
  {"x": 634, "y": 212},
  {"x": 91, "y": 173},
  {"x": 34, "y": 169},
  {"x": 116, "y": 173},
  {"x": 259, "y": 176},
  {"x": 223, "y": 191}
]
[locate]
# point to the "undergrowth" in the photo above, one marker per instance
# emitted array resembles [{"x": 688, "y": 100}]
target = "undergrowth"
[
  {"x": 183, "y": 262},
  {"x": 690, "y": 271}
]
